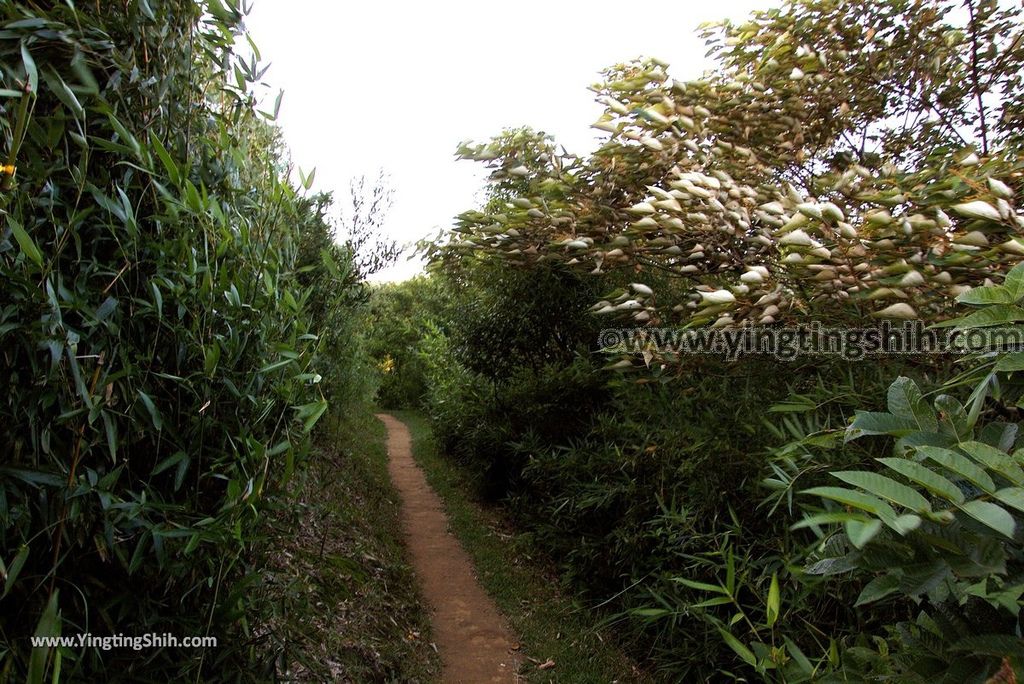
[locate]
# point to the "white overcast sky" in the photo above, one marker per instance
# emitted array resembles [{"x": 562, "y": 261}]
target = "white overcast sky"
[{"x": 397, "y": 85}]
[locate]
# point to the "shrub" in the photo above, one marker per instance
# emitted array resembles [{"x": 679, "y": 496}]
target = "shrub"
[{"x": 158, "y": 338}]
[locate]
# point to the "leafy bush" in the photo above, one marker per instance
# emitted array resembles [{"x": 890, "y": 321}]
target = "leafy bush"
[
  {"x": 159, "y": 338},
  {"x": 939, "y": 523},
  {"x": 400, "y": 316},
  {"x": 841, "y": 163}
]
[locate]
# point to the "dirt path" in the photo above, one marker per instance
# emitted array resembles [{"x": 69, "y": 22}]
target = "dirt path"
[{"x": 474, "y": 641}]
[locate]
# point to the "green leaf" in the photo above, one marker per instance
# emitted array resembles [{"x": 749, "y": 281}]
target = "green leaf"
[
  {"x": 742, "y": 651},
  {"x": 310, "y": 413},
  {"x": 11, "y": 575},
  {"x": 1014, "y": 282},
  {"x": 906, "y": 401},
  {"x": 139, "y": 553},
  {"x": 860, "y": 533},
  {"x": 1011, "y": 363},
  {"x": 954, "y": 418},
  {"x": 211, "y": 357},
  {"x": 700, "y": 586},
  {"x": 774, "y": 601},
  {"x": 173, "y": 172},
  {"x": 169, "y": 462},
  {"x": 991, "y": 515},
  {"x": 877, "y": 589},
  {"x": 991, "y": 294},
  {"x": 995, "y": 460},
  {"x": 1012, "y": 497},
  {"x": 997, "y": 314},
  {"x": 59, "y": 88},
  {"x": 48, "y": 626},
  {"x": 799, "y": 657},
  {"x": 907, "y": 523},
  {"x": 960, "y": 465},
  {"x": 712, "y": 602},
  {"x": 856, "y": 499},
  {"x": 31, "y": 72},
  {"x": 154, "y": 413},
  {"x": 28, "y": 246},
  {"x": 927, "y": 478},
  {"x": 830, "y": 517},
  {"x": 885, "y": 488},
  {"x": 110, "y": 428},
  {"x": 872, "y": 423},
  {"x": 277, "y": 364},
  {"x": 995, "y": 645}
]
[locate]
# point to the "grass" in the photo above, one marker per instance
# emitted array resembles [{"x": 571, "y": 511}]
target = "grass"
[
  {"x": 348, "y": 608},
  {"x": 551, "y": 627}
]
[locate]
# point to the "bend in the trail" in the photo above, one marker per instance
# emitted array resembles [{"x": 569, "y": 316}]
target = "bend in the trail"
[{"x": 475, "y": 644}]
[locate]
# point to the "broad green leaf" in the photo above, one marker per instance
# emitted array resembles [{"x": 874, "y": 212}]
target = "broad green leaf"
[
  {"x": 991, "y": 515},
  {"x": 830, "y": 517},
  {"x": 860, "y": 533},
  {"x": 997, "y": 314},
  {"x": 953, "y": 417},
  {"x": 871, "y": 423},
  {"x": 927, "y": 478},
  {"x": 712, "y": 602},
  {"x": 140, "y": 552},
  {"x": 878, "y": 588},
  {"x": 960, "y": 465},
  {"x": 852, "y": 497},
  {"x": 831, "y": 566},
  {"x": 996, "y": 645},
  {"x": 1011, "y": 363},
  {"x": 992, "y": 294},
  {"x": 1012, "y": 497},
  {"x": 995, "y": 460},
  {"x": 907, "y": 523},
  {"x": 906, "y": 401},
  {"x": 885, "y": 488},
  {"x": 277, "y": 364}
]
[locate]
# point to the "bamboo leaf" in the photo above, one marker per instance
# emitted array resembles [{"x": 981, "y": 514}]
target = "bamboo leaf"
[{"x": 24, "y": 240}]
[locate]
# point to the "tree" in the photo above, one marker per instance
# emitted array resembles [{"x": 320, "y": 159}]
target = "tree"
[
  {"x": 843, "y": 160},
  {"x": 362, "y": 222}
]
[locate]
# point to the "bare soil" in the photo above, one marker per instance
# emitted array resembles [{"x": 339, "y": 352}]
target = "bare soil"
[{"x": 475, "y": 643}]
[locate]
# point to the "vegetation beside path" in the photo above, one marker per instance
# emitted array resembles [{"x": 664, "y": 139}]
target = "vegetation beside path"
[
  {"x": 351, "y": 608},
  {"x": 561, "y": 641}
]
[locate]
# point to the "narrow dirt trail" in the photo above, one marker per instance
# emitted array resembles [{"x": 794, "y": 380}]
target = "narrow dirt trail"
[{"x": 476, "y": 645}]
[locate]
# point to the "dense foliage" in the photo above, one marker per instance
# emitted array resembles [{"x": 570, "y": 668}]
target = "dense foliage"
[
  {"x": 842, "y": 162},
  {"x": 164, "y": 290}
]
